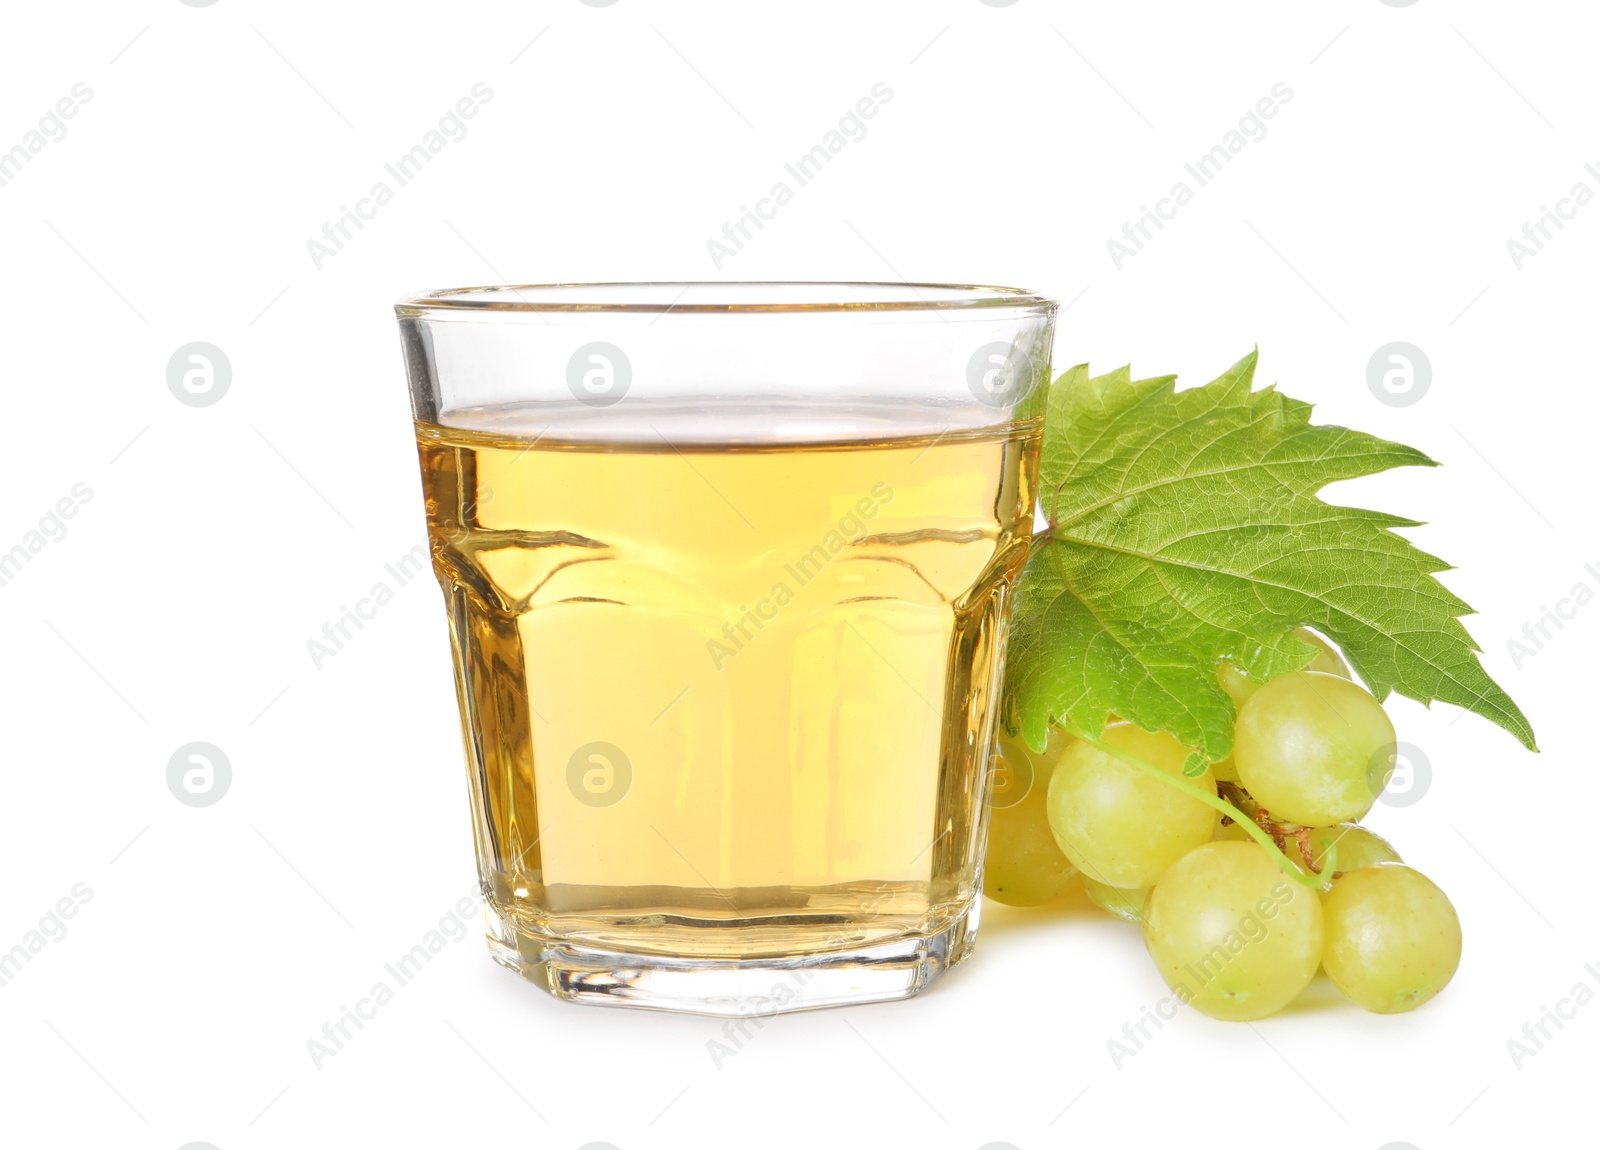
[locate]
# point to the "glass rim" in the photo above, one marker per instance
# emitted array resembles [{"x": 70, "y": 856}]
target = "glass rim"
[{"x": 755, "y": 297}]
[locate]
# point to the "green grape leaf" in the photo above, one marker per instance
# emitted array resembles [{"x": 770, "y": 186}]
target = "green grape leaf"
[{"x": 1185, "y": 529}]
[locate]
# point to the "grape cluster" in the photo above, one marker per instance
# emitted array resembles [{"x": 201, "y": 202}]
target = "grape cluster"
[{"x": 1231, "y": 933}]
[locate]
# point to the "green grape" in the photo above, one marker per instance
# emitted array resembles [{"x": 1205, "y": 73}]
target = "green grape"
[
  {"x": 1357, "y": 847},
  {"x": 1226, "y": 770},
  {"x": 1118, "y": 824},
  {"x": 1393, "y": 939},
  {"x": 1019, "y": 770},
  {"x": 1023, "y": 866},
  {"x": 1238, "y": 685},
  {"x": 1127, "y": 905},
  {"x": 1232, "y": 935},
  {"x": 1313, "y": 749},
  {"x": 1328, "y": 660}
]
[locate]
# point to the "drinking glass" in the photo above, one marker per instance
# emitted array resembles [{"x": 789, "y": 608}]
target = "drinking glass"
[{"x": 727, "y": 568}]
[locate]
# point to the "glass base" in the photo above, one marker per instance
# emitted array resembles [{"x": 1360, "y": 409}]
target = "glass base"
[{"x": 739, "y": 988}]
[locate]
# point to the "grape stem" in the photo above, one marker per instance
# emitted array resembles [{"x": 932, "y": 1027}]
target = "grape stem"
[
  {"x": 1280, "y": 832},
  {"x": 1227, "y": 809}
]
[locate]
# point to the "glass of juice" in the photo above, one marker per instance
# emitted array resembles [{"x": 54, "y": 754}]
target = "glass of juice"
[{"x": 727, "y": 568}]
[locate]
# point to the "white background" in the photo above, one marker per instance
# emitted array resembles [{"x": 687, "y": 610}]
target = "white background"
[{"x": 1019, "y": 139}]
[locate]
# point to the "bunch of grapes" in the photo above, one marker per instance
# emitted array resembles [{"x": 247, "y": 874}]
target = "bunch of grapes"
[{"x": 1231, "y": 933}]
